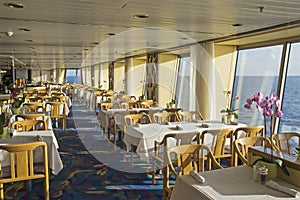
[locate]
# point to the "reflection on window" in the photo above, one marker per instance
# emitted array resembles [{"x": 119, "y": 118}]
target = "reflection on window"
[
  {"x": 256, "y": 71},
  {"x": 290, "y": 121},
  {"x": 183, "y": 83}
]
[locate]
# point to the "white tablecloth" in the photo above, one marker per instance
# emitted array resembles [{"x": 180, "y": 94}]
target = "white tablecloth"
[
  {"x": 229, "y": 183},
  {"x": 55, "y": 162},
  {"x": 144, "y": 136}
]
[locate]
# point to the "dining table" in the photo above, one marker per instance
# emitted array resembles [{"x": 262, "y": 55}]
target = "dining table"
[
  {"x": 104, "y": 116},
  {"x": 55, "y": 162},
  {"x": 231, "y": 183},
  {"x": 143, "y": 135}
]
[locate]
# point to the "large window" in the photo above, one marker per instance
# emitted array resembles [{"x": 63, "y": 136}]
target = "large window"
[
  {"x": 290, "y": 121},
  {"x": 184, "y": 83},
  {"x": 257, "y": 70},
  {"x": 73, "y": 76}
]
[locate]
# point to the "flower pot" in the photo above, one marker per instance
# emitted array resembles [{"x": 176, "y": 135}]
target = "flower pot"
[
  {"x": 4, "y": 133},
  {"x": 16, "y": 111},
  {"x": 272, "y": 169},
  {"x": 228, "y": 118}
]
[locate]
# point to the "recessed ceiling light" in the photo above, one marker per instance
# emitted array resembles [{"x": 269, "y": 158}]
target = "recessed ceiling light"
[
  {"x": 141, "y": 16},
  {"x": 24, "y": 29},
  {"x": 14, "y": 5},
  {"x": 237, "y": 24},
  {"x": 111, "y": 34},
  {"x": 96, "y": 43},
  {"x": 86, "y": 49}
]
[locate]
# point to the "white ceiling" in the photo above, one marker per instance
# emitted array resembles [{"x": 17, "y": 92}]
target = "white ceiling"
[{"x": 64, "y": 32}]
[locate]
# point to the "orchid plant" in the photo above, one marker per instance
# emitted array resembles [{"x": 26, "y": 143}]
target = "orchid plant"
[
  {"x": 227, "y": 102},
  {"x": 265, "y": 105}
]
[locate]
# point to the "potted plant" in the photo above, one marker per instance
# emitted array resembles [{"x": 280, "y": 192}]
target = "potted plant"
[
  {"x": 4, "y": 119},
  {"x": 265, "y": 105},
  {"x": 17, "y": 100},
  {"x": 230, "y": 114}
]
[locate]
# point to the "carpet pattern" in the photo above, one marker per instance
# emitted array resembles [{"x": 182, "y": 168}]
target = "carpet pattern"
[{"x": 84, "y": 176}]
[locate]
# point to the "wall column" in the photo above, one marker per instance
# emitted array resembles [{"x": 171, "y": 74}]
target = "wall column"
[{"x": 129, "y": 76}]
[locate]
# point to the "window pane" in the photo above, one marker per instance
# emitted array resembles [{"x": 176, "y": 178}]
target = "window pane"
[
  {"x": 257, "y": 71},
  {"x": 290, "y": 121},
  {"x": 183, "y": 83}
]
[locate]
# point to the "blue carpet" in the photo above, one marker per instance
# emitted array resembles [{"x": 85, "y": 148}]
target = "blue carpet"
[{"x": 86, "y": 175}]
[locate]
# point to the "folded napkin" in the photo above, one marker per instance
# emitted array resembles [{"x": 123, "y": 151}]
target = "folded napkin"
[
  {"x": 197, "y": 177},
  {"x": 276, "y": 186}
]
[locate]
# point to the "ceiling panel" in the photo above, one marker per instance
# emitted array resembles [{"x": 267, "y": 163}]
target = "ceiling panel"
[{"x": 64, "y": 32}]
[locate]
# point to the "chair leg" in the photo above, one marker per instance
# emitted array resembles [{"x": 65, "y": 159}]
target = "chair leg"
[
  {"x": 46, "y": 189},
  {"x": 1, "y": 191},
  {"x": 153, "y": 173}
]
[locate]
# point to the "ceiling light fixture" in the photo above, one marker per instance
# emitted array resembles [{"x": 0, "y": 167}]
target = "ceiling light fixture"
[
  {"x": 235, "y": 25},
  {"x": 24, "y": 29},
  {"x": 141, "y": 16},
  {"x": 9, "y": 33},
  {"x": 14, "y": 5},
  {"x": 261, "y": 8}
]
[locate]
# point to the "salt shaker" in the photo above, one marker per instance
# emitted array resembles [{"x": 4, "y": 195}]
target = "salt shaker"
[{"x": 263, "y": 172}]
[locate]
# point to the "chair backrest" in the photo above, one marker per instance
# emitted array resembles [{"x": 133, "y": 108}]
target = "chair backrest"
[
  {"x": 33, "y": 107},
  {"x": 133, "y": 119},
  {"x": 29, "y": 125},
  {"x": 249, "y": 131},
  {"x": 163, "y": 117},
  {"x": 184, "y": 158},
  {"x": 285, "y": 141},
  {"x": 216, "y": 140},
  {"x": 107, "y": 105},
  {"x": 132, "y": 104},
  {"x": 57, "y": 109},
  {"x": 189, "y": 116},
  {"x": 241, "y": 146},
  {"x": 147, "y": 103},
  {"x": 32, "y": 116},
  {"x": 22, "y": 165}
]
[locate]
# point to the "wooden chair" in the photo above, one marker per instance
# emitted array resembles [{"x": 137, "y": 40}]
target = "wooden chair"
[
  {"x": 216, "y": 139},
  {"x": 22, "y": 165},
  {"x": 283, "y": 141},
  {"x": 29, "y": 125},
  {"x": 58, "y": 110},
  {"x": 117, "y": 125},
  {"x": 159, "y": 158},
  {"x": 241, "y": 146},
  {"x": 189, "y": 116},
  {"x": 249, "y": 131},
  {"x": 183, "y": 159},
  {"x": 133, "y": 119},
  {"x": 164, "y": 117}
]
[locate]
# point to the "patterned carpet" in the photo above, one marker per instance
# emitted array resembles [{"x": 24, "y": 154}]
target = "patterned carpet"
[{"x": 84, "y": 150}]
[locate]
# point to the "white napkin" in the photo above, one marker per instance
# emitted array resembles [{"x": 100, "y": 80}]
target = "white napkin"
[
  {"x": 276, "y": 186},
  {"x": 197, "y": 177}
]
